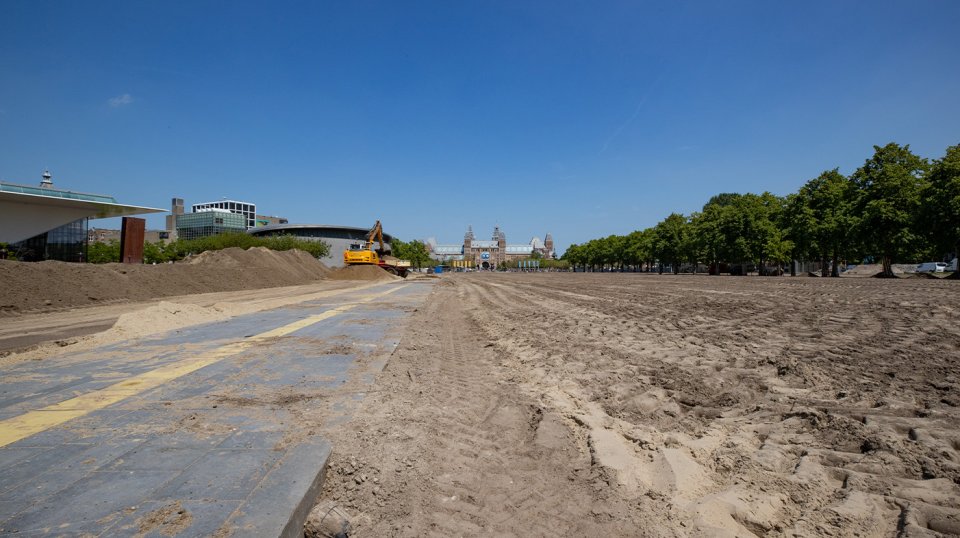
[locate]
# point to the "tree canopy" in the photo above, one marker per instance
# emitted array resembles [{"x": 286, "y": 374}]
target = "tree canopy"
[{"x": 897, "y": 207}]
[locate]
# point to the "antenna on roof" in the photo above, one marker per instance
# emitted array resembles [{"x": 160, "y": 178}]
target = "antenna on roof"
[{"x": 46, "y": 182}]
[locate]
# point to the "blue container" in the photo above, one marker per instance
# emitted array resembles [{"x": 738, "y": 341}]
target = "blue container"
[{"x": 438, "y": 269}]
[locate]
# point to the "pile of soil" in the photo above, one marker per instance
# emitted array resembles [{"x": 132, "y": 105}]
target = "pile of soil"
[
  {"x": 52, "y": 285},
  {"x": 369, "y": 273}
]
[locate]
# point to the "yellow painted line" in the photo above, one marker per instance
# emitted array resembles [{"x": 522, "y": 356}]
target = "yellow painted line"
[{"x": 32, "y": 422}]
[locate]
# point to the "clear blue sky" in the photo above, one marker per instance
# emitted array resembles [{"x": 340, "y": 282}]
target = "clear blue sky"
[{"x": 583, "y": 119}]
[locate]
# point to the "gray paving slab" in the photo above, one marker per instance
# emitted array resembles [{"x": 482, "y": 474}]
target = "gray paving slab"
[
  {"x": 159, "y": 519},
  {"x": 105, "y": 498},
  {"x": 281, "y": 502},
  {"x": 219, "y": 449}
]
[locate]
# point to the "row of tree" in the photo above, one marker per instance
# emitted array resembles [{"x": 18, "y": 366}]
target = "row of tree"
[{"x": 897, "y": 207}]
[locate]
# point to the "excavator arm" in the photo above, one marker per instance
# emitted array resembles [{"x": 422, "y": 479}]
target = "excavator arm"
[{"x": 376, "y": 233}]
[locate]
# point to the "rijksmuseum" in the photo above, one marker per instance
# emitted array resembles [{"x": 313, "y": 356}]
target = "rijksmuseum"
[{"x": 489, "y": 254}]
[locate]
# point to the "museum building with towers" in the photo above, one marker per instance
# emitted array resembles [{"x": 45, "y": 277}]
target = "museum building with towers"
[{"x": 492, "y": 253}]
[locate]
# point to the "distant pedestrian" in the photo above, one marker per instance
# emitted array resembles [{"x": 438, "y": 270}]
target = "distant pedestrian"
[{"x": 3, "y": 253}]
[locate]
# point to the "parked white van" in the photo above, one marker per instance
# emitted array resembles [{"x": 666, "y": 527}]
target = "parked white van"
[{"x": 931, "y": 267}]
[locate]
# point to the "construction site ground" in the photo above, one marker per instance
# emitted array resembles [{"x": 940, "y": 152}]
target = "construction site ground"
[{"x": 570, "y": 404}]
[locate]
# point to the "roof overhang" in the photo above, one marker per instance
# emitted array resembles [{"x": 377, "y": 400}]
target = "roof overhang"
[
  {"x": 23, "y": 216},
  {"x": 292, "y": 229}
]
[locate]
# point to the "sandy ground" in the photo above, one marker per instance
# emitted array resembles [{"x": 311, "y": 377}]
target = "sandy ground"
[
  {"x": 633, "y": 405},
  {"x": 645, "y": 405}
]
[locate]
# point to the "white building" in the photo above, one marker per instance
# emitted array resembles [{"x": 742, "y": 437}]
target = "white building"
[{"x": 248, "y": 210}]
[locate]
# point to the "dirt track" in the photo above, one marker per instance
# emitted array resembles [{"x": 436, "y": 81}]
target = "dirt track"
[{"x": 609, "y": 404}]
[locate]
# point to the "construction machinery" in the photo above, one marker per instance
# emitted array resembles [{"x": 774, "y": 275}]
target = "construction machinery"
[{"x": 364, "y": 253}]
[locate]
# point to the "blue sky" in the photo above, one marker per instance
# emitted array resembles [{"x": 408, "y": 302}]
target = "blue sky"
[{"x": 582, "y": 119}]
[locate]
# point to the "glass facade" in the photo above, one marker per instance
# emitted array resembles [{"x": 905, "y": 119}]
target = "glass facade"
[
  {"x": 207, "y": 223},
  {"x": 68, "y": 243}
]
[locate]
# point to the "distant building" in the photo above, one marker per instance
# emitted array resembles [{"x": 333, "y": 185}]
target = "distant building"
[
  {"x": 338, "y": 237},
  {"x": 248, "y": 210},
  {"x": 267, "y": 220},
  {"x": 176, "y": 209},
  {"x": 47, "y": 223},
  {"x": 200, "y": 222},
  {"x": 207, "y": 222},
  {"x": 492, "y": 253}
]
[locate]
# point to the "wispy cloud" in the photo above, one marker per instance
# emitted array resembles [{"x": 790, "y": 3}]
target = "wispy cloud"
[
  {"x": 636, "y": 113},
  {"x": 120, "y": 100}
]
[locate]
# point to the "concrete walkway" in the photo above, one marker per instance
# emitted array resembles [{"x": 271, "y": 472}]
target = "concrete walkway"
[{"x": 213, "y": 430}]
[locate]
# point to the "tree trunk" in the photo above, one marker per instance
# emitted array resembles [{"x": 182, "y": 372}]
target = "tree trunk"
[
  {"x": 793, "y": 267},
  {"x": 676, "y": 267},
  {"x": 887, "y": 266},
  {"x": 835, "y": 272},
  {"x": 824, "y": 265}
]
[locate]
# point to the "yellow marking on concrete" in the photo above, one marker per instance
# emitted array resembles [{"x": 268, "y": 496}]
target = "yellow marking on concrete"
[{"x": 32, "y": 422}]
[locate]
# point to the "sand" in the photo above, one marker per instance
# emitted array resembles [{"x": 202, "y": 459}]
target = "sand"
[
  {"x": 646, "y": 405},
  {"x": 53, "y": 286},
  {"x": 637, "y": 405}
]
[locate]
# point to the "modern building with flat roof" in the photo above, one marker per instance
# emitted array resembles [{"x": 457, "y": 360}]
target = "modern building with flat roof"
[
  {"x": 207, "y": 222},
  {"x": 47, "y": 223},
  {"x": 338, "y": 237},
  {"x": 248, "y": 210}
]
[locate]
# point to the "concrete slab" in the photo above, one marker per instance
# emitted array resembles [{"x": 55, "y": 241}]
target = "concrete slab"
[{"x": 233, "y": 447}]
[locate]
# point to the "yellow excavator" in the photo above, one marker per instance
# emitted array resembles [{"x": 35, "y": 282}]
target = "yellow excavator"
[{"x": 363, "y": 253}]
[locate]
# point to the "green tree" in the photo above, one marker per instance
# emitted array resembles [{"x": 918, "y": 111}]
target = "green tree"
[
  {"x": 692, "y": 248},
  {"x": 98, "y": 252},
  {"x": 942, "y": 204},
  {"x": 415, "y": 252},
  {"x": 830, "y": 199},
  {"x": 155, "y": 252},
  {"x": 798, "y": 221},
  {"x": 708, "y": 226},
  {"x": 890, "y": 184},
  {"x": 760, "y": 215},
  {"x": 615, "y": 248},
  {"x": 574, "y": 255},
  {"x": 779, "y": 249},
  {"x": 637, "y": 248},
  {"x": 670, "y": 236}
]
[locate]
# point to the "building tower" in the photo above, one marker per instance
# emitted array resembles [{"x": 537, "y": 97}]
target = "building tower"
[
  {"x": 501, "y": 239},
  {"x": 47, "y": 181},
  {"x": 176, "y": 208},
  {"x": 548, "y": 246},
  {"x": 468, "y": 243}
]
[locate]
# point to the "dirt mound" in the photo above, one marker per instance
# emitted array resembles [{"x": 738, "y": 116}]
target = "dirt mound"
[
  {"x": 369, "y": 273},
  {"x": 50, "y": 285}
]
